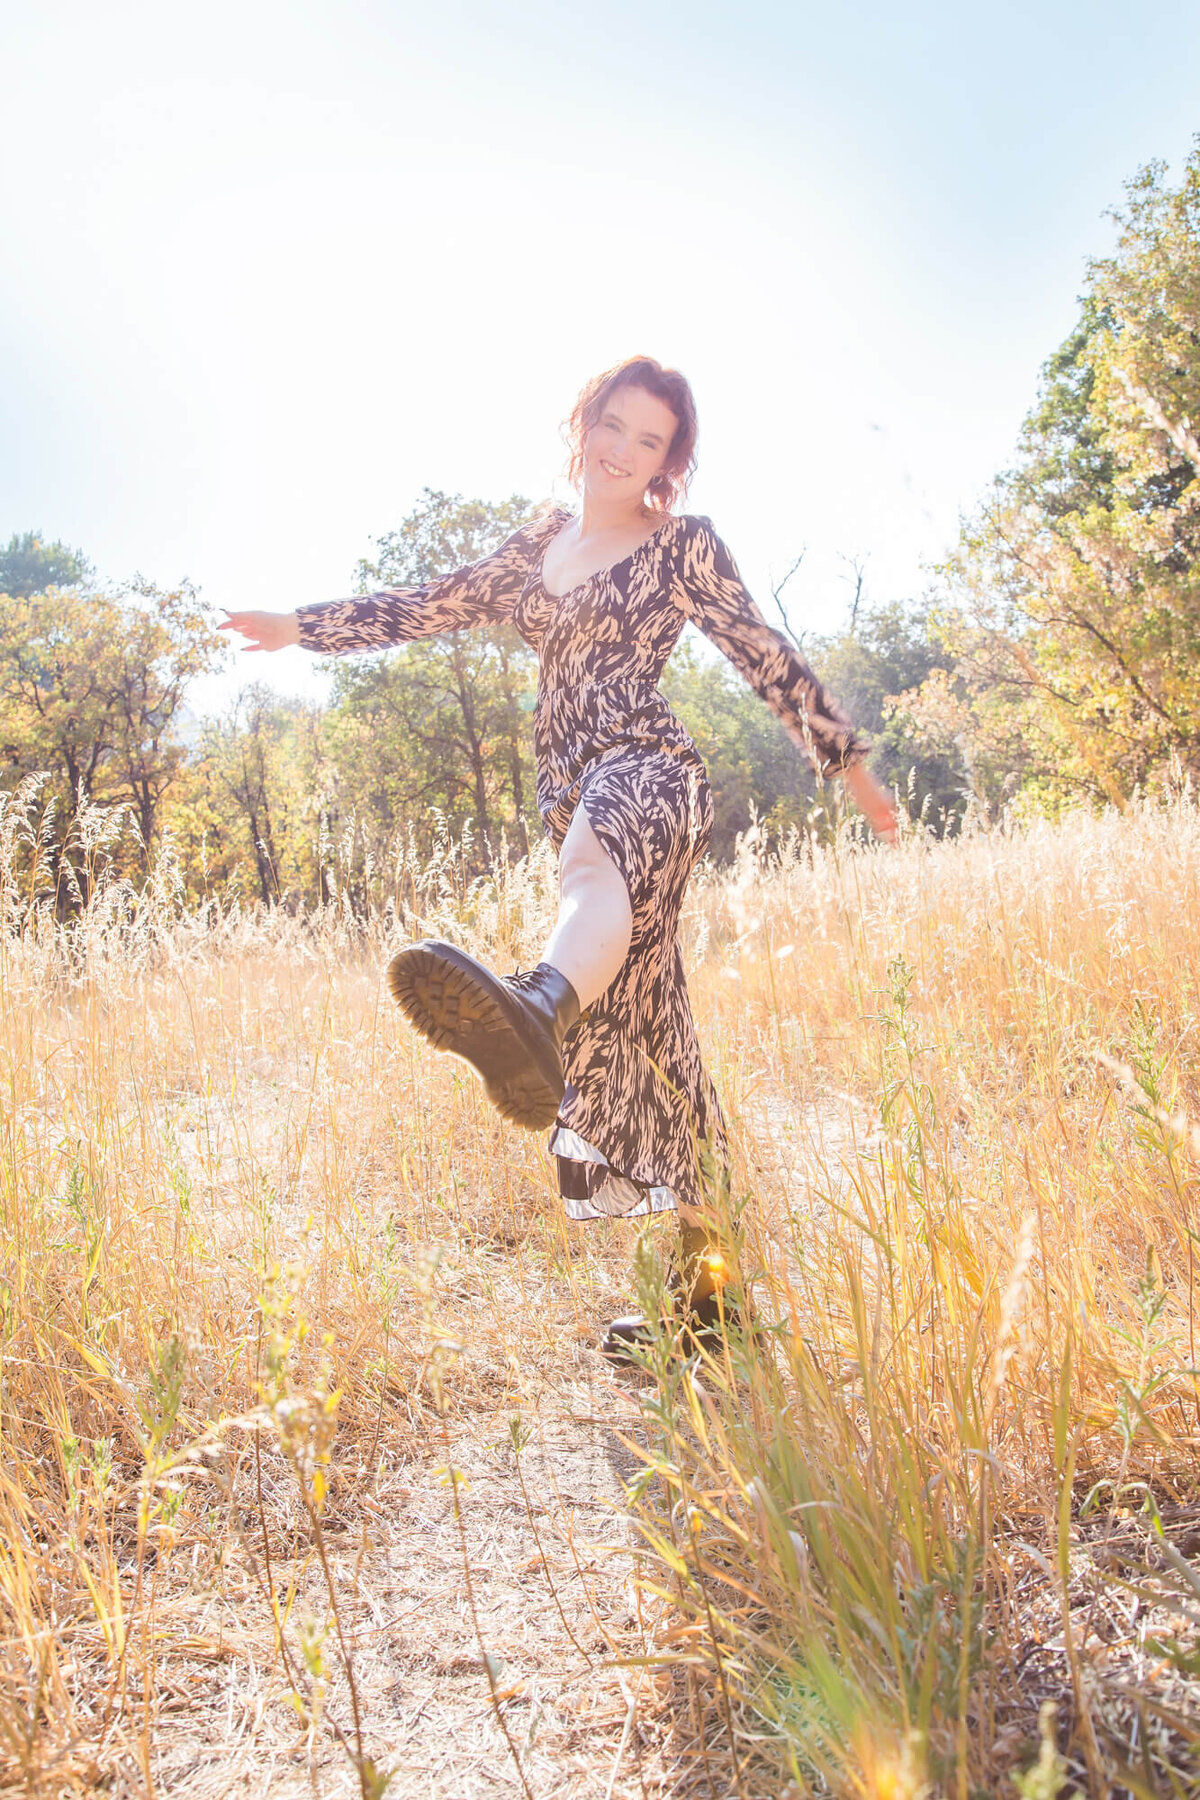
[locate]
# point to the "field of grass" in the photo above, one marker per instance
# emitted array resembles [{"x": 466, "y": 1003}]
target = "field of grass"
[{"x": 312, "y": 1479}]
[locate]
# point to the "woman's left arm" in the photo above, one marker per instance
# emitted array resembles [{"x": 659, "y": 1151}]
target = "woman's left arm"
[{"x": 711, "y": 593}]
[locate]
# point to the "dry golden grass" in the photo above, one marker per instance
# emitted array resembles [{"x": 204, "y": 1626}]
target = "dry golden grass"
[{"x": 311, "y": 1474}]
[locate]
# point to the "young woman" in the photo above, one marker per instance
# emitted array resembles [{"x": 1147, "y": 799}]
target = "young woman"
[{"x": 598, "y": 1041}]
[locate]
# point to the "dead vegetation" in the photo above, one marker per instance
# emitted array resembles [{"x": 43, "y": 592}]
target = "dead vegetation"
[{"x": 312, "y": 1477}]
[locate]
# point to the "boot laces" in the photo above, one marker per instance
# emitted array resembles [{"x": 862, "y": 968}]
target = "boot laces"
[{"x": 525, "y": 981}]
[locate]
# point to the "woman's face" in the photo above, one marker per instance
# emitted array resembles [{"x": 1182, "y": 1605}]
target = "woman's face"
[{"x": 628, "y": 444}]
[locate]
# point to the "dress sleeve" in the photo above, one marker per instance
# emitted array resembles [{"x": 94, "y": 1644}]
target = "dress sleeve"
[
  {"x": 482, "y": 593},
  {"x": 710, "y": 592}
]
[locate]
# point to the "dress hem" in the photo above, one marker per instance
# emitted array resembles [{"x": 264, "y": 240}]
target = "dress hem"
[{"x": 616, "y": 1194}]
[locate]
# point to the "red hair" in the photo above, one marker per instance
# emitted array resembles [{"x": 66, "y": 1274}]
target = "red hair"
[{"x": 671, "y": 483}]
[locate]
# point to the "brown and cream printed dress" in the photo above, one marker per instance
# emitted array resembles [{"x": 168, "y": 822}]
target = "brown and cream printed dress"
[{"x": 640, "y": 1118}]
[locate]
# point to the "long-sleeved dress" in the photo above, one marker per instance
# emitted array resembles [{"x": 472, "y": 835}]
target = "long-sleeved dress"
[{"x": 640, "y": 1128}]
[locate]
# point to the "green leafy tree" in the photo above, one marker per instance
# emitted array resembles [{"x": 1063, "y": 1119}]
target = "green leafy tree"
[
  {"x": 891, "y": 649},
  {"x": 30, "y": 565},
  {"x": 163, "y": 642},
  {"x": 55, "y": 714},
  {"x": 250, "y": 802},
  {"x": 753, "y": 765},
  {"x": 442, "y": 725},
  {"x": 92, "y": 691},
  {"x": 1070, "y": 620}
]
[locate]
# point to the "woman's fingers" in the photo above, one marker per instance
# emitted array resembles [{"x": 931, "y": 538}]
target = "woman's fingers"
[
  {"x": 266, "y": 631},
  {"x": 242, "y": 623}
]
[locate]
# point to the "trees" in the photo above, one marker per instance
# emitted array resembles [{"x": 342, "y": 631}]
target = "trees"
[
  {"x": 92, "y": 686},
  {"x": 753, "y": 765},
  {"x": 54, "y": 711},
  {"x": 251, "y": 800},
  {"x": 29, "y": 565},
  {"x": 414, "y": 739},
  {"x": 889, "y": 650},
  {"x": 441, "y": 723},
  {"x": 161, "y": 641},
  {"x": 1071, "y": 619}
]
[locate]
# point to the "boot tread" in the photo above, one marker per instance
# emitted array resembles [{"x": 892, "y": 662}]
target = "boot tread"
[{"x": 455, "y": 1010}]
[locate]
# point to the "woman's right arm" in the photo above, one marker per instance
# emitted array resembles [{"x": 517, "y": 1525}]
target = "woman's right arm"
[{"x": 482, "y": 593}]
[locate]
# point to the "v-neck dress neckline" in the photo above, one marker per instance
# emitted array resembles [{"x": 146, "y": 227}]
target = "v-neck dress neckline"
[{"x": 610, "y": 569}]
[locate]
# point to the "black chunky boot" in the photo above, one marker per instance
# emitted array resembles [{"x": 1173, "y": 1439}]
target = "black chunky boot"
[
  {"x": 510, "y": 1029},
  {"x": 700, "y": 1327},
  {"x": 703, "y": 1307}
]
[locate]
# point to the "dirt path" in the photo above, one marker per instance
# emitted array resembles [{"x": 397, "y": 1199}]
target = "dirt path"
[{"x": 557, "y": 1611}]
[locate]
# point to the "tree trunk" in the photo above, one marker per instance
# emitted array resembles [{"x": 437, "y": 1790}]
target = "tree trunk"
[{"x": 466, "y": 706}]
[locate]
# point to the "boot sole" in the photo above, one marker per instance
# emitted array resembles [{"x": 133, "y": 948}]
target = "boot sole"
[{"x": 456, "y": 1008}]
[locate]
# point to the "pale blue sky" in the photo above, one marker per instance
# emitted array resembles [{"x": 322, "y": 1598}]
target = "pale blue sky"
[{"x": 269, "y": 269}]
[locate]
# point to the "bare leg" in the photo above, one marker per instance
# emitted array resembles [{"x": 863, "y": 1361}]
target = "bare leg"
[{"x": 591, "y": 938}]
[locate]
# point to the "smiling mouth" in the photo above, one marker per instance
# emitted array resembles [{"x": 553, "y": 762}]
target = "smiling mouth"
[{"x": 611, "y": 468}]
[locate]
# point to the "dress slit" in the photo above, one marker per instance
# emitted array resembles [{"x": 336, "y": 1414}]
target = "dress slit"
[{"x": 637, "y": 1096}]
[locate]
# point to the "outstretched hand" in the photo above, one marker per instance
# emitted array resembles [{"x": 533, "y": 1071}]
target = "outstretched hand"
[
  {"x": 874, "y": 802},
  {"x": 268, "y": 631}
]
